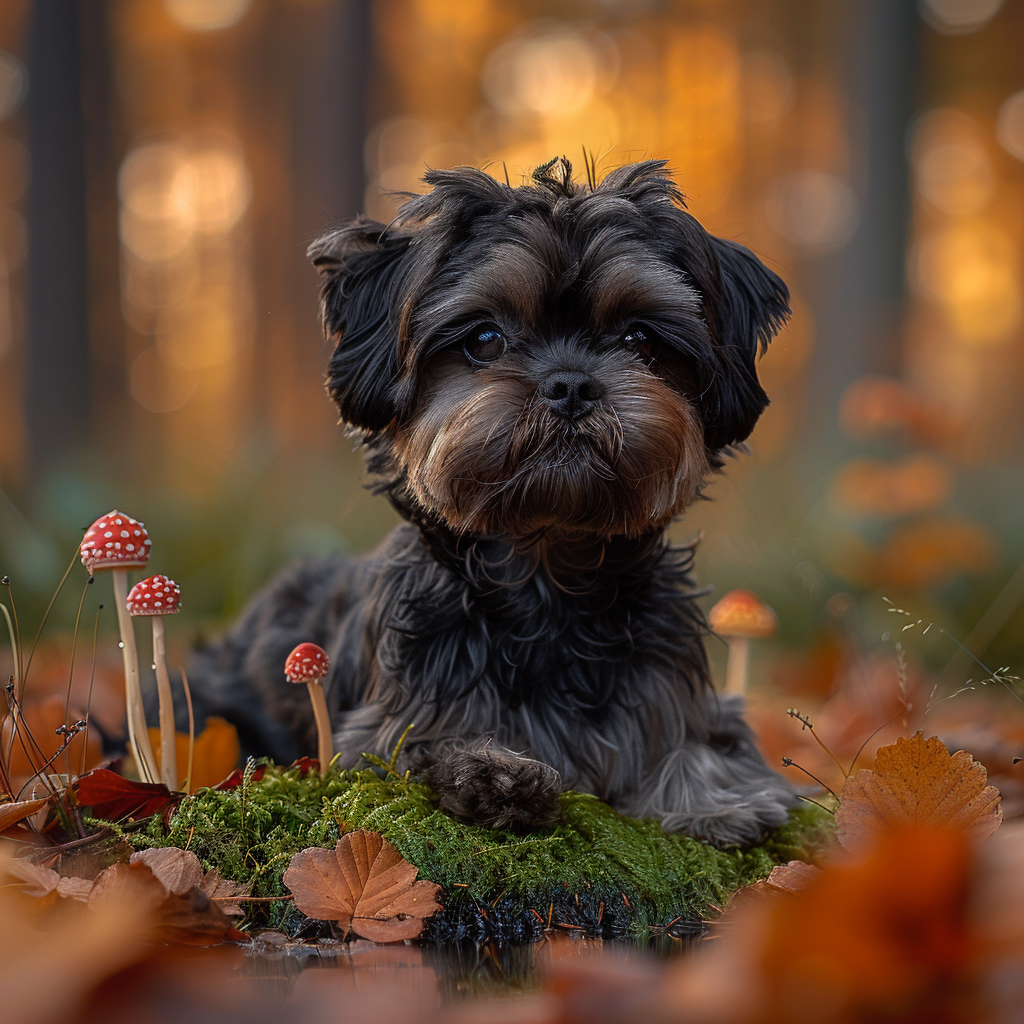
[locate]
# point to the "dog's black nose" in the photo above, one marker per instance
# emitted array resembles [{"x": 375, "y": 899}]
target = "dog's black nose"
[{"x": 571, "y": 394}]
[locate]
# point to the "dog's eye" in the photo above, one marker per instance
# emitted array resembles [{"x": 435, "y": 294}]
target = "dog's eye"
[
  {"x": 484, "y": 347},
  {"x": 641, "y": 342}
]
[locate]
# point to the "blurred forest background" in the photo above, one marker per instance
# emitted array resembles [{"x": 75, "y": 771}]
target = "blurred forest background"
[{"x": 164, "y": 164}]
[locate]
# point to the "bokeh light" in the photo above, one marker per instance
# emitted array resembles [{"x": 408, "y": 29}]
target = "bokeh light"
[
  {"x": 207, "y": 15},
  {"x": 814, "y": 209},
  {"x": 1010, "y": 125},
  {"x": 954, "y": 17},
  {"x": 13, "y": 84}
]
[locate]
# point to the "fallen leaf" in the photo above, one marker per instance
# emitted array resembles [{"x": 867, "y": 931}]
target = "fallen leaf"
[
  {"x": 216, "y": 752},
  {"x": 36, "y": 880},
  {"x": 189, "y": 917},
  {"x": 225, "y": 892},
  {"x": 113, "y": 797},
  {"x": 917, "y": 781},
  {"x": 234, "y": 780},
  {"x": 365, "y": 885},
  {"x": 784, "y": 878},
  {"x": 12, "y": 813},
  {"x": 178, "y": 870}
]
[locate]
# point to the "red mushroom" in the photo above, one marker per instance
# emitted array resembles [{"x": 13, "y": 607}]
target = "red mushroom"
[
  {"x": 156, "y": 597},
  {"x": 309, "y": 664},
  {"x": 117, "y": 542},
  {"x": 740, "y": 617}
]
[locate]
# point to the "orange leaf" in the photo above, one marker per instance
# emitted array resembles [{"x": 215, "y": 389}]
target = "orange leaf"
[
  {"x": 917, "y": 781},
  {"x": 216, "y": 752},
  {"x": 11, "y": 814},
  {"x": 365, "y": 885}
]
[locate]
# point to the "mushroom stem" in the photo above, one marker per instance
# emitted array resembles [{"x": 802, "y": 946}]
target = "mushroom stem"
[
  {"x": 324, "y": 740},
  {"x": 138, "y": 738},
  {"x": 168, "y": 754},
  {"x": 736, "y": 667}
]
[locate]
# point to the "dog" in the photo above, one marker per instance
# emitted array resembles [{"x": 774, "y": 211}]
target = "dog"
[{"x": 543, "y": 378}]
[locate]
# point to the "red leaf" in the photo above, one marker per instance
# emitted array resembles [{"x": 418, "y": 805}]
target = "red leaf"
[
  {"x": 113, "y": 797},
  {"x": 306, "y": 765},
  {"x": 234, "y": 780}
]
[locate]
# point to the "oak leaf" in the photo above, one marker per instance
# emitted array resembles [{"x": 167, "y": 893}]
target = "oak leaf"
[
  {"x": 365, "y": 885},
  {"x": 916, "y": 781}
]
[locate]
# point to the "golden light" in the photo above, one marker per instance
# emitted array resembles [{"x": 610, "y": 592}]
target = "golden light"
[
  {"x": 214, "y": 185},
  {"x": 157, "y": 219},
  {"x": 200, "y": 334},
  {"x": 554, "y": 74},
  {"x": 952, "y": 169},
  {"x": 206, "y": 15},
  {"x": 971, "y": 270},
  {"x": 1010, "y": 125}
]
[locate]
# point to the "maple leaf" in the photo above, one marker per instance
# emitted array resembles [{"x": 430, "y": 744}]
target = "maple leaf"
[
  {"x": 365, "y": 885},
  {"x": 12, "y": 813},
  {"x": 111, "y": 796},
  {"x": 917, "y": 781}
]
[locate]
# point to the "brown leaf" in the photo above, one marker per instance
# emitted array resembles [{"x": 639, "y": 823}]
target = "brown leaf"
[
  {"x": 917, "y": 781},
  {"x": 784, "y": 878},
  {"x": 74, "y": 888},
  {"x": 178, "y": 870},
  {"x": 189, "y": 917},
  {"x": 224, "y": 892},
  {"x": 365, "y": 885},
  {"x": 12, "y": 813}
]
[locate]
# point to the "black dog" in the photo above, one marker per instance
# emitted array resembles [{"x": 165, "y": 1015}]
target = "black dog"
[{"x": 543, "y": 377}]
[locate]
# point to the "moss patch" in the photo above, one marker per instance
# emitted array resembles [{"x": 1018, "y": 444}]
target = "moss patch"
[{"x": 596, "y": 871}]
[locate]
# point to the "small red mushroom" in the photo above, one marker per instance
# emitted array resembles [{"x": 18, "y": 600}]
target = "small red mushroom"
[
  {"x": 117, "y": 543},
  {"x": 309, "y": 664},
  {"x": 156, "y": 597},
  {"x": 740, "y": 617}
]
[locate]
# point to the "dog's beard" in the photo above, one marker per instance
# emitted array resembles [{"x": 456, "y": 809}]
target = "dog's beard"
[{"x": 488, "y": 456}]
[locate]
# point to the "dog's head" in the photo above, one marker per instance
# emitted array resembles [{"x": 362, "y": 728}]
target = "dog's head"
[{"x": 548, "y": 355}]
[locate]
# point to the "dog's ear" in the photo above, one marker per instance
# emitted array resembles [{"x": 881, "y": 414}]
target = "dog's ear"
[
  {"x": 363, "y": 265},
  {"x": 746, "y": 305}
]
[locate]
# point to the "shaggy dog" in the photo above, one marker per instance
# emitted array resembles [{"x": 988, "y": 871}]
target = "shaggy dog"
[{"x": 543, "y": 378}]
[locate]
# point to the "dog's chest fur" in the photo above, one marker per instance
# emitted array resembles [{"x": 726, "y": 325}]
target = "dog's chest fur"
[{"x": 452, "y": 634}]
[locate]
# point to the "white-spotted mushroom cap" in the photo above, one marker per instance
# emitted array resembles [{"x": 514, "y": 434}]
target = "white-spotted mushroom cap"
[
  {"x": 307, "y": 664},
  {"x": 115, "y": 541},
  {"x": 740, "y": 613},
  {"x": 156, "y": 596}
]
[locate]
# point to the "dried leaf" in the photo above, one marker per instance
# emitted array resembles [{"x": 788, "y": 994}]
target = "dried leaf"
[
  {"x": 12, "y": 813},
  {"x": 36, "y": 880},
  {"x": 216, "y": 752},
  {"x": 224, "y": 892},
  {"x": 111, "y": 796},
  {"x": 365, "y": 885},
  {"x": 784, "y": 878},
  {"x": 178, "y": 870},
  {"x": 74, "y": 888},
  {"x": 917, "y": 781},
  {"x": 190, "y": 917}
]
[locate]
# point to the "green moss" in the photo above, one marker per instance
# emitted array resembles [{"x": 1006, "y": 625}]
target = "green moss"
[{"x": 596, "y": 870}]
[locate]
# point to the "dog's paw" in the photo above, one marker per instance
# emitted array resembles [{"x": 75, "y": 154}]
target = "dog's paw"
[
  {"x": 491, "y": 786},
  {"x": 741, "y": 823}
]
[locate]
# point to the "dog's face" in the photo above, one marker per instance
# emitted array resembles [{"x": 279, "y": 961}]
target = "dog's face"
[{"x": 551, "y": 355}]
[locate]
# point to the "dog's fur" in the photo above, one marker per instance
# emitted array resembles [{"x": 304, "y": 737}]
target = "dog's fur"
[{"x": 530, "y": 620}]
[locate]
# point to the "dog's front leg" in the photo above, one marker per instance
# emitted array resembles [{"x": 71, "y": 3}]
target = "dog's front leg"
[{"x": 486, "y": 784}]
